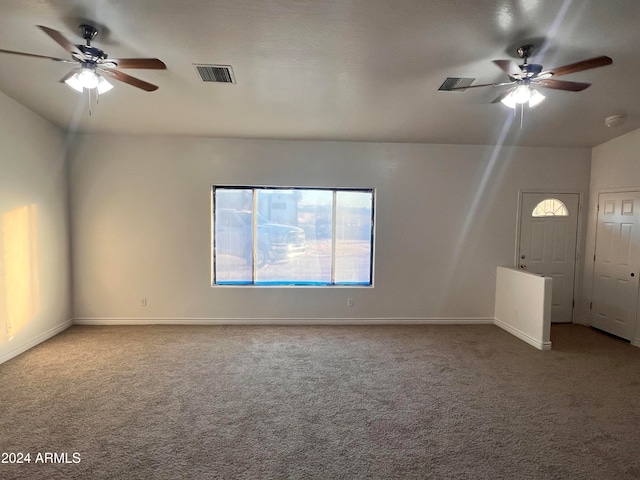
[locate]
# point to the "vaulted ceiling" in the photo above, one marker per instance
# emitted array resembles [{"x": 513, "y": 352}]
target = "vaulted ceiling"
[{"x": 363, "y": 70}]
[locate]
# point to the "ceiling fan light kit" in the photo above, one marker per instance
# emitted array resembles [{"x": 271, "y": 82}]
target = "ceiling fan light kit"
[
  {"x": 522, "y": 95},
  {"x": 88, "y": 79}
]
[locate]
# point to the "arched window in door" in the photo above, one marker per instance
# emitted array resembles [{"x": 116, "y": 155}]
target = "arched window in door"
[{"x": 550, "y": 207}]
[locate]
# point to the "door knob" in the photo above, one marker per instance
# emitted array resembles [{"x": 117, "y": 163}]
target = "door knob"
[{"x": 633, "y": 274}]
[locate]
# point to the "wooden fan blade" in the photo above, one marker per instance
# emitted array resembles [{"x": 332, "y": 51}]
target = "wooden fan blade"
[
  {"x": 146, "y": 63},
  {"x": 11, "y": 52},
  {"x": 562, "y": 85},
  {"x": 123, "y": 77},
  {"x": 595, "y": 62},
  {"x": 503, "y": 95},
  {"x": 483, "y": 85},
  {"x": 60, "y": 40},
  {"x": 509, "y": 67}
]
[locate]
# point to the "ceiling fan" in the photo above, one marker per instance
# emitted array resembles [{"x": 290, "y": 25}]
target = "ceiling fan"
[
  {"x": 523, "y": 78},
  {"x": 93, "y": 64}
]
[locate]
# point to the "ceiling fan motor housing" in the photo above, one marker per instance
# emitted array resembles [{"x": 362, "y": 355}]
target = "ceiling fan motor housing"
[
  {"x": 531, "y": 69},
  {"x": 91, "y": 54}
]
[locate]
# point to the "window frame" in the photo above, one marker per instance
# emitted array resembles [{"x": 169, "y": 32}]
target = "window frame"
[{"x": 256, "y": 213}]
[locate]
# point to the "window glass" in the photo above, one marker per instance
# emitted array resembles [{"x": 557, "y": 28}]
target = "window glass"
[
  {"x": 292, "y": 236},
  {"x": 354, "y": 217},
  {"x": 233, "y": 234},
  {"x": 550, "y": 207}
]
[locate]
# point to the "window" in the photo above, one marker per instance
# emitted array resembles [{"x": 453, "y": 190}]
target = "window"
[
  {"x": 292, "y": 236},
  {"x": 550, "y": 207}
]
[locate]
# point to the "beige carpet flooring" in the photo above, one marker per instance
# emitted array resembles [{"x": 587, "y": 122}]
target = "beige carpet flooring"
[{"x": 378, "y": 402}]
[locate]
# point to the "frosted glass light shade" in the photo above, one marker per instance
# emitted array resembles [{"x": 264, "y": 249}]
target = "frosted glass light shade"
[
  {"x": 536, "y": 98},
  {"x": 74, "y": 83},
  {"x": 509, "y": 101},
  {"x": 103, "y": 85},
  {"x": 88, "y": 79},
  {"x": 521, "y": 95}
]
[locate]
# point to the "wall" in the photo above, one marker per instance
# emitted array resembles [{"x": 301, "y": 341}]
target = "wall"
[
  {"x": 523, "y": 306},
  {"x": 614, "y": 167},
  {"x": 446, "y": 217},
  {"x": 35, "y": 285}
]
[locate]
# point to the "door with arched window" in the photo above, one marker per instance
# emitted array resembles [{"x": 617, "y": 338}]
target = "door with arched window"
[{"x": 547, "y": 245}]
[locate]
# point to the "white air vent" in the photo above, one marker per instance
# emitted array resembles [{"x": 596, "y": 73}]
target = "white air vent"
[
  {"x": 216, "y": 73},
  {"x": 455, "y": 82}
]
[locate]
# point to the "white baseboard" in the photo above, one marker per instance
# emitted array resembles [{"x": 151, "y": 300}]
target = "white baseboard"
[
  {"x": 523, "y": 336},
  {"x": 635, "y": 342},
  {"x": 285, "y": 321},
  {"x": 581, "y": 321},
  {"x": 35, "y": 341}
]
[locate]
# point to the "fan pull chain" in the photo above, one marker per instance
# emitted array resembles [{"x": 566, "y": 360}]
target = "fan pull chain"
[{"x": 97, "y": 100}]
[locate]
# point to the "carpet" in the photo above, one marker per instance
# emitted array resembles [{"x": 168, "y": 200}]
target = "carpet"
[{"x": 321, "y": 402}]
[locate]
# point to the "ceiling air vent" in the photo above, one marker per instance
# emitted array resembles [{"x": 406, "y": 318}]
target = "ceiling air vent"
[
  {"x": 216, "y": 73},
  {"x": 455, "y": 82}
]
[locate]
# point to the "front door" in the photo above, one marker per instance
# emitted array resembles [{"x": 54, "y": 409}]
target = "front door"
[
  {"x": 617, "y": 264},
  {"x": 548, "y": 235}
]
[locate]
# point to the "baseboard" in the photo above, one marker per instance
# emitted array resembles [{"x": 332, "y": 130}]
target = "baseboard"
[
  {"x": 635, "y": 342},
  {"x": 37, "y": 340},
  {"x": 286, "y": 321},
  {"x": 523, "y": 336},
  {"x": 581, "y": 321}
]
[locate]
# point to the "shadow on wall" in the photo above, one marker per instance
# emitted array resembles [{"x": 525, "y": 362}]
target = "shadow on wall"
[{"x": 19, "y": 288}]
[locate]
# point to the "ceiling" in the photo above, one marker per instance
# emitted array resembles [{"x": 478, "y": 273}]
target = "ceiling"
[{"x": 362, "y": 70}]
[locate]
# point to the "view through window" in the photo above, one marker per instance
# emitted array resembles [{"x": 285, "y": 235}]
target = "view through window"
[{"x": 292, "y": 236}]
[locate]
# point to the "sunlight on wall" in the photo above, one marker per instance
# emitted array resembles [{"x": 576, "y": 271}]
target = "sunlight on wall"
[{"x": 19, "y": 289}]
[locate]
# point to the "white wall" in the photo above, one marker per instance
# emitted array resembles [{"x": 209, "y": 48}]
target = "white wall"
[
  {"x": 523, "y": 306},
  {"x": 615, "y": 166},
  {"x": 35, "y": 285},
  {"x": 446, "y": 217}
]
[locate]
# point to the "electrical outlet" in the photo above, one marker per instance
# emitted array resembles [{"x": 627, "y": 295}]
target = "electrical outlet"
[{"x": 349, "y": 302}]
